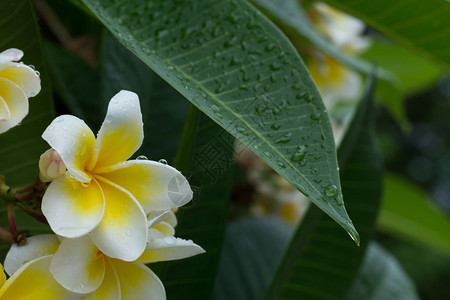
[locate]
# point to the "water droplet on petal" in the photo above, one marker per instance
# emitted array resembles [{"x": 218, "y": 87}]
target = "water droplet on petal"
[
  {"x": 163, "y": 161},
  {"x": 128, "y": 231},
  {"x": 170, "y": 240},
  {"x": 141, "y": 157}
]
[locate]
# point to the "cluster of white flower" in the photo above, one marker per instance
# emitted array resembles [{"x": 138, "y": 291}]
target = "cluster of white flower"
[{"x": 110, "y": 215}]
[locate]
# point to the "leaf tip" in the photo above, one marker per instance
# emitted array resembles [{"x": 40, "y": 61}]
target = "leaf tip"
[{"x": 353, "y": 233}]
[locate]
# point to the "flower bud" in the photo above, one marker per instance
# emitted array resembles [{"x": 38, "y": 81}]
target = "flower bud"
[{"x": 50, "y": 166}]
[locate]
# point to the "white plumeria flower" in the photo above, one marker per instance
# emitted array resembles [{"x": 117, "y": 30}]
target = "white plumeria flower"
[
  {"x": 102, "y": 193},
  {"x": 80, "y": 267},
  {"x": 18, "y": 82},
  {"x": 334, "y": 80},
  {"x": 30, "y": 278},
  {"x": 343, "y": 29}
]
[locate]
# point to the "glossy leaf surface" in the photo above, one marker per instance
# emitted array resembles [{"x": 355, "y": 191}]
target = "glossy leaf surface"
[
  {"x": 241, "y": 71},
  {"x": 319, "y": 262}
]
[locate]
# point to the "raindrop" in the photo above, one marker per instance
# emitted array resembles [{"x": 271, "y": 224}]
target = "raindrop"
[
  {"x": 315, "y": 116},
  {"x": 260, "y": 108},
  {"x": 275, "y": 66},
  {"x": 338, "y": 201},
  {"x": 285, "y": 138},
  {"x": 163, "y": 161},
  {"x": 128, "y": 231},
  {"x": 230, "y": 42},
  {"x": 270, "y": 47},
  {"x": 142, "y": 157},
  {"x": 281, "y": 164},
  {"x": 299, "y": 154},
  {"x": 242, "y": 130},
  {"x": 331, "y": 190},
  {"x": 268, "y": 154},
  {"x": 275, "y": 126},
  {"x": 296, "y": 86},
  {"x": 170, "y": 240}
]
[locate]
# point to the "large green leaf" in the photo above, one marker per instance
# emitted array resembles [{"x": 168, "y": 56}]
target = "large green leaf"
[
  {"x": 381, "y": 277},
  {"x": 206, "y": 157},
  {"x": 320, "y": 263},
  {"x": 419, "y": 25},
  {"x": 250, "y": 254},
  {"x": 408, "y": 212},
  {"x": 21, "y": 146},
  {"x": 239, "y": 69}
]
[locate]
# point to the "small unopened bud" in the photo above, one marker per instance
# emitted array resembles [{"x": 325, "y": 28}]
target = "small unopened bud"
[{"x": 50, "y": 166}]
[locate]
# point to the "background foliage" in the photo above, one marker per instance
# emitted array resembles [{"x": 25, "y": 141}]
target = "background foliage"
[{"x": 208, "y": 72}]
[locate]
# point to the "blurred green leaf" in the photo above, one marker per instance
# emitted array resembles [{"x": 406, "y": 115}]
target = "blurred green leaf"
[
  {"x": 205, "y": 156},
  {"x": 416, "y": 24},
  {"x": 250, "y": 254},
  {"x": 293, "y": 20},
  {"x": 240, "y": 70},
  {"x": 76, "y": 83},
  {"x": 21, "y": 146},
  {"x": 381, "y": 278},
  {"x": 408, "y": 213},
  {"x": 320, "y": 263},
  {"x": 414, "y": 73}
]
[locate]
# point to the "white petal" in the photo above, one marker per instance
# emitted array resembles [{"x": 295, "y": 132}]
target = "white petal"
[
  {"x": 78, "y": 265},
  {"x": 155, "y": 185},
  {"x": 11, "y": 54},
  {"x": 5, "y": 114},
  {"x": 137, "y": 281},
  {"x": 110, "y": 287},
  {"x": 172, "y": 219},
  {"x": 17, "y": 103},
  {"x": 33, "y": 281},
  {"x": 165, "y": 228},
  {"x": 22, "y": 75},
  {"x": 123, "y": 231},
  {"x": 74, "y": 142},
  {"x": 157, "y": 216},
  {"x": 71, "y": 208},
  {"x": 36, "y": 246},
  {"x": 121, "y": 133},
  {"x": 169, "y": 248}
]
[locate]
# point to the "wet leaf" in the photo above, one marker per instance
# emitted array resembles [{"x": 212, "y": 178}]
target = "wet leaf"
[
  {"x": 241, "y": 71},
  {"x": 320, "y": 263}
]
